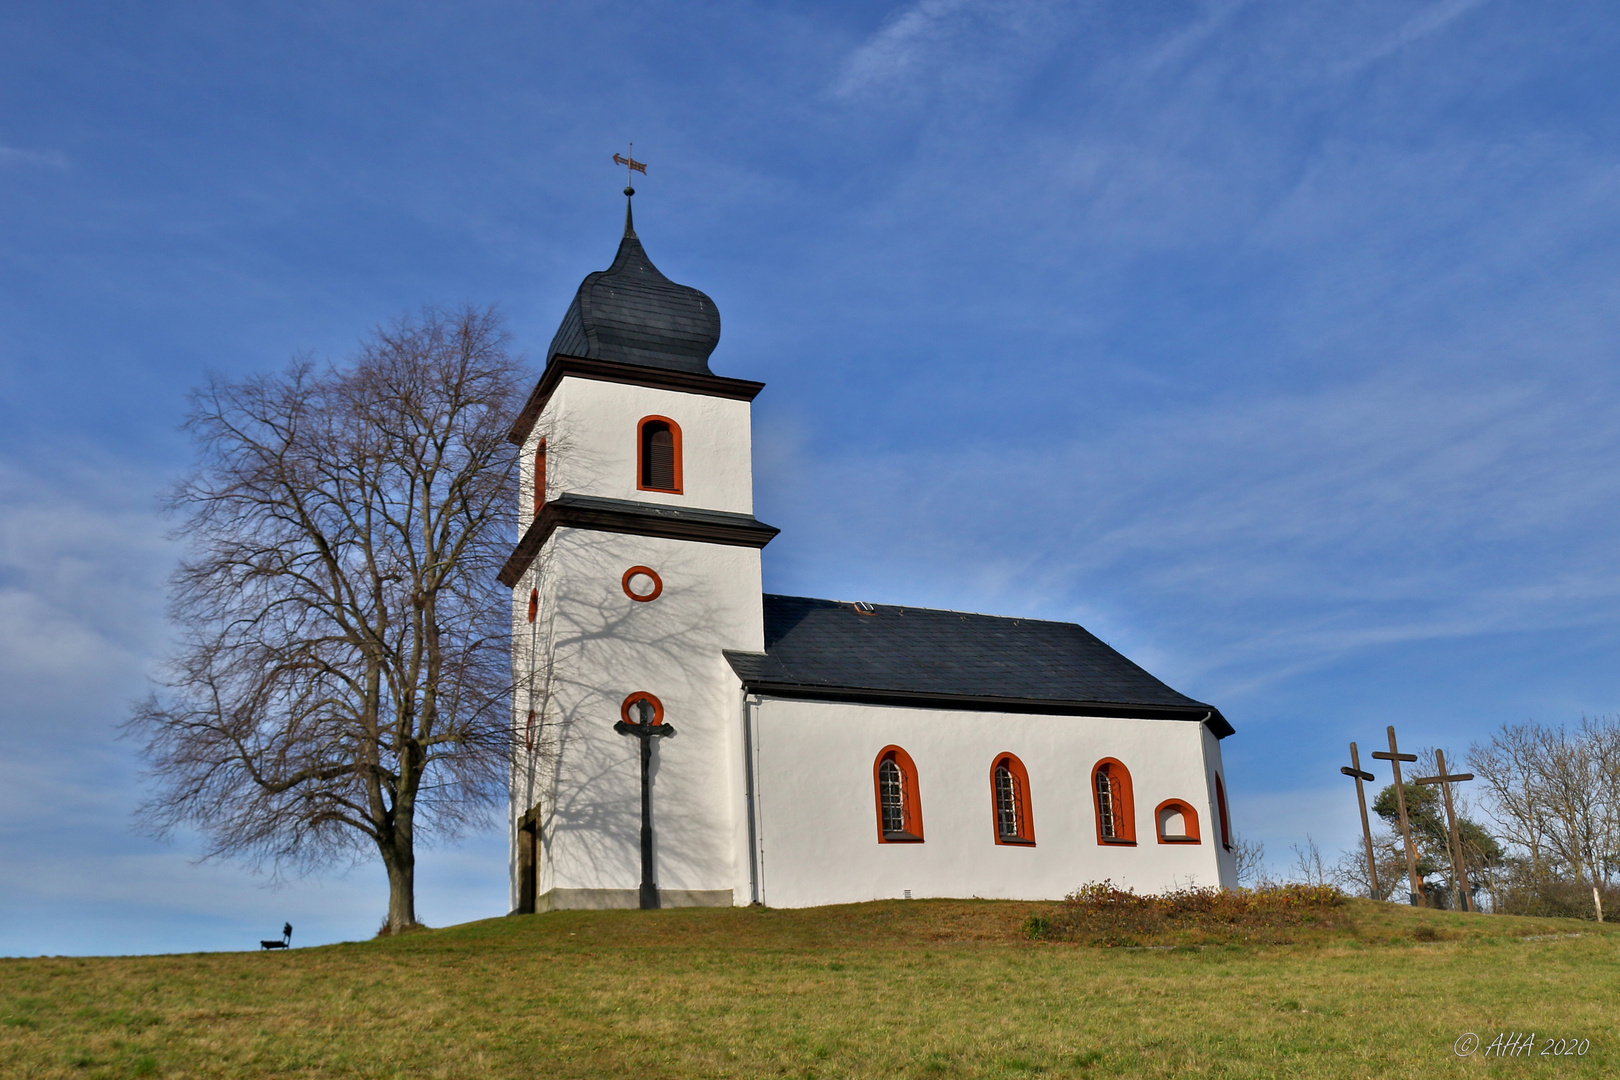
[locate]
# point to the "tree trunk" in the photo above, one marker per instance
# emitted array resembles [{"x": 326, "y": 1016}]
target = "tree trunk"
[{"x": 401, "y": 863}]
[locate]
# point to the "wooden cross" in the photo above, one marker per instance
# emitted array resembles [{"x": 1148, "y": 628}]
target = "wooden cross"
[
  {"x": 1459, "y": 871},
  {"x": 1395, "y": 757},
  {"x": 1354, "y": 770}
]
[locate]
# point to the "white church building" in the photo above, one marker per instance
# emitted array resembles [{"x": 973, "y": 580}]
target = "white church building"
[{"x": 823, "y": 751}]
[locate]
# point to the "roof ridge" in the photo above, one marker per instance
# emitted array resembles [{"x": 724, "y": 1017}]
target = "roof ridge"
[{"x": 942, "y": 611}]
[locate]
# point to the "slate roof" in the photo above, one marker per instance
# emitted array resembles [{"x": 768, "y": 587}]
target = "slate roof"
[
  {"x": 633, "y": 314},
  {"x": 952, "y": 659}
]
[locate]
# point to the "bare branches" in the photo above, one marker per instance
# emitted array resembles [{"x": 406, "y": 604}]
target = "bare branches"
[
  {"x": 1555, "y": 795},
  {"x": 343, "y": 671}
]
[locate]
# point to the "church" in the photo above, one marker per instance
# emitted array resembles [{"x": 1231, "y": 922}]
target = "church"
[{"x": 683, "y": 738}]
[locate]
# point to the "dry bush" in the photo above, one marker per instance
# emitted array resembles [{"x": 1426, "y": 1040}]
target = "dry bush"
[{"x": 1102, "y": 914}]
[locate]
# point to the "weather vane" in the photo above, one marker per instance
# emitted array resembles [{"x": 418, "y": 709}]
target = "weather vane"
[{"x": 631, "y": 165}]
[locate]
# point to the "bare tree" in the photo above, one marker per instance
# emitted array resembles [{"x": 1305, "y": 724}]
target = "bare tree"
[
  {"x": 1309, "y": 868},
  {"x": 342, "y": 681},
  {"x": 1555, "y": 794},
  {"x": 1250, "y": 856}
]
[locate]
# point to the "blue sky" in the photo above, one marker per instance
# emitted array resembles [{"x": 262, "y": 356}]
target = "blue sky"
[{"x": 1274, "y": 342}]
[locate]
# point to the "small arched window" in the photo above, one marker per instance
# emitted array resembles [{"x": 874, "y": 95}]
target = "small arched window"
[
  {"x": 658, "y": 455},
  {"x": 540, "y": 476},
  {"x": 899, "y": 810},
  {"x": 1177, "y": 822},
  {"x": 1220, "y": 806},
  {"x": 528, "y": 732},
  {"x": 534, "y": 603},
  {"x": 1116, "y": 807},
  {"x": 1009, "y": 800}
]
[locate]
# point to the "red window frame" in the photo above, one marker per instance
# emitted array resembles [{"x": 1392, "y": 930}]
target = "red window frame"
[
  {"x": 1025, "y": 836},
  {"x": 534, "y": 604},
  {"x": 641, "y": 452},
  {"x": 910, "y": 800},
  {"x": 1188, "y": 815},
  {"x": 1220, "y": 805},
  {"x": 539, "y": 476},
  {"x": 647, "y": 572},
  {"x": 1124, "y": 808}
]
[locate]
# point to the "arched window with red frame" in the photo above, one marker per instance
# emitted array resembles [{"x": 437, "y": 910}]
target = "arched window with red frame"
[
  {"x": 1009, "y": 801},
  {"x": 899, "y": 808},
  {"x": 658, "y": 454},
  {"x": 1220, "y": 806},
  {"x": 534, "y": 603},
  {"x": 1114, "y": 801},
  {"x": 1176, "y": 822},
  {"x": 540, "y": 476}
]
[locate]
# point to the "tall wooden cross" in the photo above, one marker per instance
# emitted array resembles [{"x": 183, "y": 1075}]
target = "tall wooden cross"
[
  {"x": 1459, "y": 869},
  {"x": 1395, "y": 757},
  {"x": 1354, "y": 770}
]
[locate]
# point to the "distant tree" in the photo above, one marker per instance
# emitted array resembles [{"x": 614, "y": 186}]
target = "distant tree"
[
  {"x": 1555, "y": 795},
  {"x": 1426, "y": 814},
  {"x": 342, "y": 680},
  {"x": 1250, "y": 856}
]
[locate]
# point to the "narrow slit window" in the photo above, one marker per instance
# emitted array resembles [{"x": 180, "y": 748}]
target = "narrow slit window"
[{"x": 540, "y": 476}]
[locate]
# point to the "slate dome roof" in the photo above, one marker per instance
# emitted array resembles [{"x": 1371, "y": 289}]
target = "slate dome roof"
[{"x": 633, "y": 314}]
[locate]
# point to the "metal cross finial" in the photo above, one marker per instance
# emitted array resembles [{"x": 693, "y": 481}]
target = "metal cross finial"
[{"x": 630, "y": 165}]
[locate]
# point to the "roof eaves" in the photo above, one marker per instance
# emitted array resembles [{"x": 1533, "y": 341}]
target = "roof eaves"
[{"x": 740, "y": 663}]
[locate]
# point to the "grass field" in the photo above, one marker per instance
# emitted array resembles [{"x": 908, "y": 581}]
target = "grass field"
[{"x": 890, "y": 989}]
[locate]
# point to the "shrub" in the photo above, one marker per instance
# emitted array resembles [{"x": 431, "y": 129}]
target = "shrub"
[{"x": 1105, "y": 914}]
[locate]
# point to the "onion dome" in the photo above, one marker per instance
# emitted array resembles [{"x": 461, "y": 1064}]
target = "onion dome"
[{"x": 633, "y": 314}]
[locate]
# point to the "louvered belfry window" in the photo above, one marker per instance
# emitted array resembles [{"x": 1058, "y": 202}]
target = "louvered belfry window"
[
  {"x": 892, "y": 794},
  {"x": 1009, "y": 806},
  {"x": 657, "y": 456}
]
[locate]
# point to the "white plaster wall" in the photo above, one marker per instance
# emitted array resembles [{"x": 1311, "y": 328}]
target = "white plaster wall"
[
  {"x": 603, "y": 646},
  {"x": 817, "y": 821},
  {"x": 590, "y": 428},
  {"x": 1212, "y": 767}
]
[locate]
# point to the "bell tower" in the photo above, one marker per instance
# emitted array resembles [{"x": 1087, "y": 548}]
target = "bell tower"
[{"x": 638, "y": 564}]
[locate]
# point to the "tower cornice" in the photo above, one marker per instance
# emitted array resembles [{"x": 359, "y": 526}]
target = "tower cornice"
[
  {"x": 561, "y": 366},
  {"x": 576, "y": 511}
]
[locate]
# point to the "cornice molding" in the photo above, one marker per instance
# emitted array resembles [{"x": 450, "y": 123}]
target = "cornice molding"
[
  {"x": 971, "y": 702},
  {"x": 637, "y": 519},
  {"x": 561, "y": 366}
]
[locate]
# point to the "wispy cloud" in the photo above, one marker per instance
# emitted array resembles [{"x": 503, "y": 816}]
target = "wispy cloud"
[
  {"x": 939, "y": 39},
  {"x": 48, "y": 159},
  {"x": 1429, "y": 20}
]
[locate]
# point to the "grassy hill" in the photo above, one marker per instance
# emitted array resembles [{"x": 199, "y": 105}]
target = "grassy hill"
[{"x": 927, "y": 988}]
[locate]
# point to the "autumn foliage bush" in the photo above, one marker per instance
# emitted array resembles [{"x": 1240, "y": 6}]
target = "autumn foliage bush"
[{"x": 1103, "y": 914}]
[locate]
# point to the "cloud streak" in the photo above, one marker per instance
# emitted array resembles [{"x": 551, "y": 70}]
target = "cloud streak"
[{"x": 45, "y": 159}]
